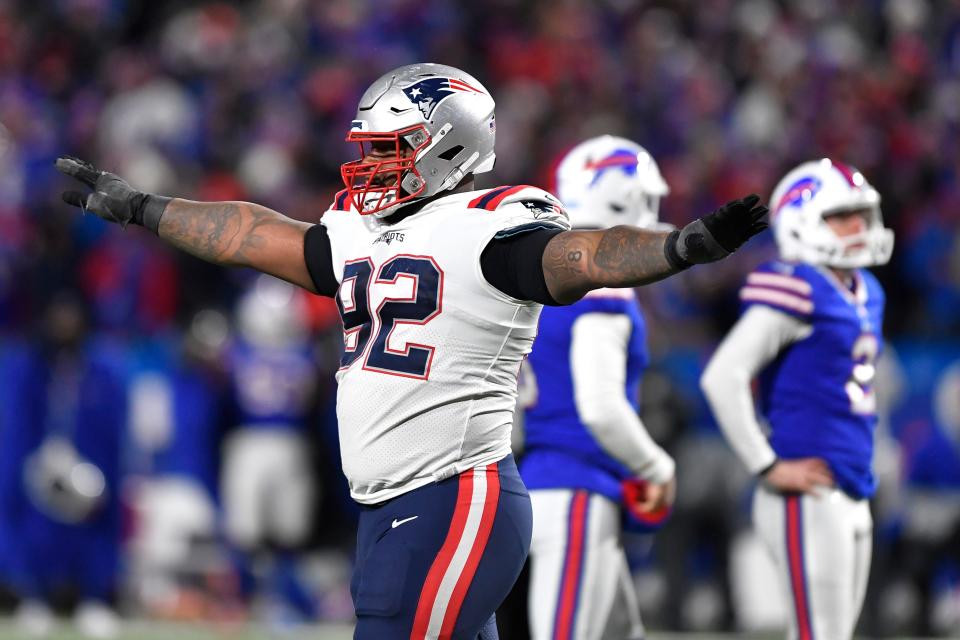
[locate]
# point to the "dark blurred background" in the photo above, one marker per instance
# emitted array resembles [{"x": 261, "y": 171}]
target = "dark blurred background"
[{"x": 131, "y": 378}]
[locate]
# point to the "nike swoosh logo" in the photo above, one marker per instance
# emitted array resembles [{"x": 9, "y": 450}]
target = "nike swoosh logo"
[{"x": 397, "y": 523}]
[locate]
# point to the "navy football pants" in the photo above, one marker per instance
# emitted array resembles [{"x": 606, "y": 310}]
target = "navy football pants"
[{"x": 437, "y": 562}]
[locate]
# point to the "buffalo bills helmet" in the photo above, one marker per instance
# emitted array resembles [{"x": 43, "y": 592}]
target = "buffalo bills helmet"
[
  {"x": 606, "y": 181},
  {"x": 807, "y": 196},
  {"x": 431, "y": 124}
]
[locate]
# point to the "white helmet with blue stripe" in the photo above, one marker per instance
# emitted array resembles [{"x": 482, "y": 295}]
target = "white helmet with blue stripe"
[
  {"x": 809, "y": 194},
  {"x": 608, "y": 180}
]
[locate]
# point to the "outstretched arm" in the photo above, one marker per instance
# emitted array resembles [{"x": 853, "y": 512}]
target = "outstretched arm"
[
  {"x": 238, "y": 234},
  {"x": 227, "y": 233},
  {"x": 576, "y": 262}
]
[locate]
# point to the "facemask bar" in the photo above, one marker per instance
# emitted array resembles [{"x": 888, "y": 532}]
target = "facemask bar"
[{"x": 377, "y": 185}]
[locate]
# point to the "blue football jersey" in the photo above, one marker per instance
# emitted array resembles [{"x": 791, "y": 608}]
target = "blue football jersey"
[
  {"x": 560, "y": 452},
  {"x": 272, "y": 387},
  {"x": 818, "y": 394}
]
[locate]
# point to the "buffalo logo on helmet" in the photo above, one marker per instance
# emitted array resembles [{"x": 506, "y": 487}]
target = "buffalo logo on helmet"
[
  {"x": 427, "y": 94},
  {"x": 799, "y": 192},
  {"x": 623, "y": 159}
]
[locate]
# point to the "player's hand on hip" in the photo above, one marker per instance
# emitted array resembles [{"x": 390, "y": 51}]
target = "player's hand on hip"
[
  {"x": 717, "y": 234},
  {"x": 112, "y": 198},
  {"x": 658, "y": 496},
  {"x": 804, "y": 475}
]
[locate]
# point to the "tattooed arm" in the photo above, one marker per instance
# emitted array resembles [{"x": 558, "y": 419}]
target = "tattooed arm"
[
  {"x": 228, "y": 233},
  {"x": 238, "y": 234},
  {"x": 575, "y": 262}
]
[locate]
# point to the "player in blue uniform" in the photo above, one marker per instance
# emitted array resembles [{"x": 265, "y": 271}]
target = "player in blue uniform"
[
  {"x": 583, "y": 436},
  {"x": 63, "y": 411},
  {"x": 811, "y": 331},
  {"x": 267, "y": 479}
]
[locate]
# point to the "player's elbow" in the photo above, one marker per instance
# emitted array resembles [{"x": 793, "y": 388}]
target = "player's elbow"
[
  {"x": 599, "y": 413},
  {"x": 714, "y": 381}
]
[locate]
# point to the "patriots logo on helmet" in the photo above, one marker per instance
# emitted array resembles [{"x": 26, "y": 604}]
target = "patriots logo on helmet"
[
  {"x": 623, "y": 159},
  {"x": 802, "y": 189},
  {"x": 429, "y": 93}
]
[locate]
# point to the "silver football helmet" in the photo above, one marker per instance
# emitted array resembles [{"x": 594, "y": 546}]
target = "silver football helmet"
[{"x": 430, "y": 124}]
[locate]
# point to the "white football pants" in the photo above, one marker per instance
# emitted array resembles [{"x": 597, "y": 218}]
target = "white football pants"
[
  {"x": 580, "y": 584},
  {"x": 267, "y": 488},
  {"x": 821, "y": 546}
]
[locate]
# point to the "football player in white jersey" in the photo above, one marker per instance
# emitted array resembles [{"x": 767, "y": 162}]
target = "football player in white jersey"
[
  {"x": 585, "y": 443},
  {"x": 811, "y": 333},
  {"x": 439, "y": 287}
]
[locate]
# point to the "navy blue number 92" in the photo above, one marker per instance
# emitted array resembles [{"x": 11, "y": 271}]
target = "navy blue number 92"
[{"x": 424, "y": 305}]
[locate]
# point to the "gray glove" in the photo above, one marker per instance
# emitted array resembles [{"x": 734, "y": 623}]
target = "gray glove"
[
  {"x": 112, "y": 199},
  {"x": 716, "y": 235}
]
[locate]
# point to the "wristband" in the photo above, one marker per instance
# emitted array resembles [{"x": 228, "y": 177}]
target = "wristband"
[
  {"x": 147, "y": 210},
  {"x": 671, "y": 253}
]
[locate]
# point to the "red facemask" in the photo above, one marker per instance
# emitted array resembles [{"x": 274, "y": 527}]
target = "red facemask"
[{"x": 375, "y": 186}]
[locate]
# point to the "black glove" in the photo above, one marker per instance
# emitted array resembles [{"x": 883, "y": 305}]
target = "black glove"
[
  {"x": 112, "y": 199},
  {"x": 716, "y": 235}
]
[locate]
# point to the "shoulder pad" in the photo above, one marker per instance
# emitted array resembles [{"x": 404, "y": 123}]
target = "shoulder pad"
[
  {"x": 781, "y": 286},
  {"x": 492, "y": 199}
]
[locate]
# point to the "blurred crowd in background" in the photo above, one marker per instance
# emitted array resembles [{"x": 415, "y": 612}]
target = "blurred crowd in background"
[{"x": 167, "y": 434}]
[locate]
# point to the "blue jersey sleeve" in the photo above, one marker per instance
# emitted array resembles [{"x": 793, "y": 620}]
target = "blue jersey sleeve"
[{"x": 780, "y": 286}]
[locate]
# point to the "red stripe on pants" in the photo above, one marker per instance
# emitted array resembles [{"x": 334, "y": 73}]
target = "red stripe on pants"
[
  {"x": 440, "y": 564},
  {"x": 490, "y": 502},
  {"x": 571, "y": 575},
  {"x": 795, "y": 560}
]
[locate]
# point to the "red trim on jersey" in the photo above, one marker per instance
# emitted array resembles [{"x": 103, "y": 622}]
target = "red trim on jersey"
[
  {"x": 339, "y": 201},
  {"x": 490, "y": 502},
  {"x": 431, "y": 586},
  {"x": 475, "y": 203},
  {"x": 795, "y": 561},
  {"x": 495, "y": 202},
  {"x": 492, "y": 198},
  {"x": 570, "y": 581}
]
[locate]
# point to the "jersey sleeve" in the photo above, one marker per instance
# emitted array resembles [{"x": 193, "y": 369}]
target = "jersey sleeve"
[
  {"x": 317, "y": 253},
  {"x": 778, "y": 286},
  {"x": 522, "y": 208}
]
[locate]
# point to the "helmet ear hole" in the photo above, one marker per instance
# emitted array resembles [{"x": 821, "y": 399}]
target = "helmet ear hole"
[{"x": 451, "y": 153}]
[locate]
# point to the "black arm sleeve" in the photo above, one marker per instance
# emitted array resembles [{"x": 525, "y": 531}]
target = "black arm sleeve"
[
  {"x": 316, "y": 253},
  {"x": 514, "y": 264}
]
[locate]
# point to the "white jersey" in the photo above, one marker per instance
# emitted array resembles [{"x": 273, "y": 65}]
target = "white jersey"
[{"x": 428, "y": 380}]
